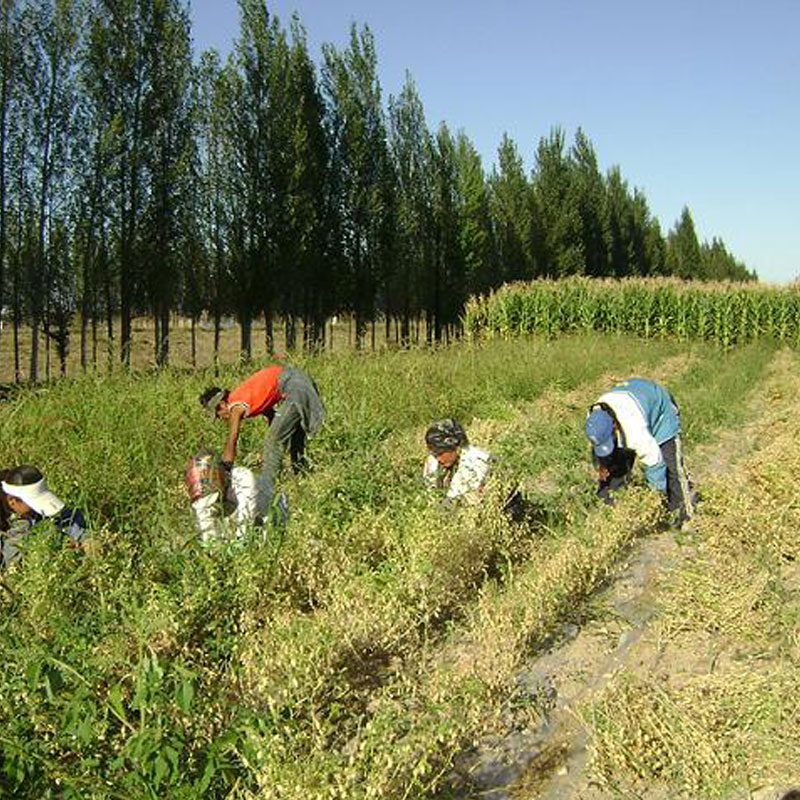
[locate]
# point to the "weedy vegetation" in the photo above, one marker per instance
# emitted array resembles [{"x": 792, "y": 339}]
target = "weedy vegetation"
[{"x": 354, "y": 654}]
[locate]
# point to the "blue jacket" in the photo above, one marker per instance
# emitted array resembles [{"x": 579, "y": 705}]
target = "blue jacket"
[{"x": 648, "y": 417}]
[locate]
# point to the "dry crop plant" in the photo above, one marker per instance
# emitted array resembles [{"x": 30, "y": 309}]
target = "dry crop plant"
[
  {"x": 728, "y": 722},
  {"x": 727, "y": 314},
  {"x": 355, "y": 656}
]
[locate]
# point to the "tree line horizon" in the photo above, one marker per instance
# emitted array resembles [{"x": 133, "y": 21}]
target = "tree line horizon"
[{"x": 136, "y": 179}]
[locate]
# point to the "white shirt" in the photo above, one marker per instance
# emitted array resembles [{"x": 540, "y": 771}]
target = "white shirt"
[
  {"x": 468, "y": 477},
  {"x": 634, "y": 426},
  {"x": 210, "y": 514}
]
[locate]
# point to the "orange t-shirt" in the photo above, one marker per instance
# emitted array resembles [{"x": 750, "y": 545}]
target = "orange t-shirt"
[{"x": 260, "y": 392}]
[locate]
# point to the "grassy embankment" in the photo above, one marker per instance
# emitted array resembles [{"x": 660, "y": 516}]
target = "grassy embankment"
[{"x": 358, "y": 654}]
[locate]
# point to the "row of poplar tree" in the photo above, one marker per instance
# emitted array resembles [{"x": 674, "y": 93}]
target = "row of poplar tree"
[{"x": 139, "y": 178}]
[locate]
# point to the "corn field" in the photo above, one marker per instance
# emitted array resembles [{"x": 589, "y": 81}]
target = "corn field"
[{"x": 725, "y": 313}]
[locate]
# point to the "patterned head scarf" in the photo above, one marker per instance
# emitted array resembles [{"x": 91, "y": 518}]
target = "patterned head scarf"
[
  {"x": 205, "y": 474},
  {"x": 446, "y": 434}
]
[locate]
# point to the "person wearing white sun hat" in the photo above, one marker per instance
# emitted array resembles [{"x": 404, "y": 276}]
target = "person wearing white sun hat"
[{"x": 32, "y": 502}]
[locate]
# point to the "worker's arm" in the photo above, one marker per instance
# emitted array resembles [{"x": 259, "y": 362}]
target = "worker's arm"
[{"x": 235, "y": 419}]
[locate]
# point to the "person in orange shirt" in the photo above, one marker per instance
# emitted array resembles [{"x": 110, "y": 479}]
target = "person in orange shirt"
[{"x": 290, "y": 401}]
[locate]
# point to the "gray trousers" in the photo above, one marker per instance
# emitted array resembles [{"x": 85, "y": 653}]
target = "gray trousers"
[{"x": 299, "y": 414}]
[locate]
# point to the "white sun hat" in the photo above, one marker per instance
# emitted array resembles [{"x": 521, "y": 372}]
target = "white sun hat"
[{"x": 37, "y": 496}]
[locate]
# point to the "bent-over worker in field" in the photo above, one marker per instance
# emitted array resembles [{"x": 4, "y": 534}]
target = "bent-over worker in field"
[
  {"x": 288, "y": 399},
  {"x": 461, "y": 470},
  {"x": 32, "y": 504},
  {"x": 225, "y": 503},
  {"x": 639, "y": 417},
  {"x": 453, "y": 464}
]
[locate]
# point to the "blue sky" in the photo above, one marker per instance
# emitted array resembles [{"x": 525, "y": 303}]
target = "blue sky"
[{"x": 697, "y": 101}]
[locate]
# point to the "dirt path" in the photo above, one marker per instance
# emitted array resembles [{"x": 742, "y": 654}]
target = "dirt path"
[{"x": 549, "y": 761}]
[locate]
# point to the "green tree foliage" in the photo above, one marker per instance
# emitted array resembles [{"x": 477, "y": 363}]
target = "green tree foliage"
[
  {"x": 311, "y": 256},
  {"x": 587, "y": 195},
  {"x": 446, "y": 289},
  {"x": 562, "y": 240},
  {"x": 477, "y": 240},
  {"x": 167, "y": 122},
  {"x": 362, "y": 170},
  {"x": 512, "y": 214},
  {"x": 412, "y": 154},
  {"x": 261, "y": 188},
  {"x": 683, "y": 259},
  {"x": 251, "y": 129},
  {"x": 10, "y": 47}
]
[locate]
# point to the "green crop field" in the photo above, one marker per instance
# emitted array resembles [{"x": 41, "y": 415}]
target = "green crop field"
[
  {"x": 362, "y": 651},
  {"x": 724, "y": 313}
]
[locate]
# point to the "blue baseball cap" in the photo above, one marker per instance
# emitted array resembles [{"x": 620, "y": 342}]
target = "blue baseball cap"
[{"x": 600, "y": 432}]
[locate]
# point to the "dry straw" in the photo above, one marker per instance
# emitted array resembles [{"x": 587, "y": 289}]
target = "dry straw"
[{"x": 719, "y": 714}]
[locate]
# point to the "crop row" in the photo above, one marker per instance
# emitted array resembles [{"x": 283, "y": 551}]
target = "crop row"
[{"x": 727, "y": 314}]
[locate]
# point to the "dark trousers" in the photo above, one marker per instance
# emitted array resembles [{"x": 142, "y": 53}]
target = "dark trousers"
[{"x": 680, "y": 494}]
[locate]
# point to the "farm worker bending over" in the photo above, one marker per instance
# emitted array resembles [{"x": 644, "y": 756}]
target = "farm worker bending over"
[
  {"x": 453, "y": 464},
  {"x": 224, "y": 501},
  {"x": 289, "y": 400},
  {"x": 32, "y": 504},
  {"x": 639, "y": 417}
]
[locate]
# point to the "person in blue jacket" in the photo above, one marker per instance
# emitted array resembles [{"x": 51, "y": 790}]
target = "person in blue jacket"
[{"x": 640, "y": 418}]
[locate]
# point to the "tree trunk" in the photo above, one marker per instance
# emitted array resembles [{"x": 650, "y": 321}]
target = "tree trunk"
[
  {"x": 269, "y": 332},
  {"x": 33, "y": 369},
  {"x": 217, "y": 331},
  {"x": 94, "y": 339},
  {"x": 291, "y": 332},
  {"x": 17, "y": 366},
  {"x": 156, "y": 335},
  {"x": 84, "y": 331},
  {"x": 246, "y": 338},
  {"x": 163, "y": 344}
]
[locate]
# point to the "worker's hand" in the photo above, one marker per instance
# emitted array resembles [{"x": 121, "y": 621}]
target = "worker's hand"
[{"x": 603, "y": 473}]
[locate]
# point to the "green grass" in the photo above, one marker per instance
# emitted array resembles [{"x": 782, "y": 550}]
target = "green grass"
[{"x": 322, "y": 663}]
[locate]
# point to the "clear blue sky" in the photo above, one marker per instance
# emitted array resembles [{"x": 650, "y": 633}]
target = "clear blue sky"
[{"x": 697, "y": 101}]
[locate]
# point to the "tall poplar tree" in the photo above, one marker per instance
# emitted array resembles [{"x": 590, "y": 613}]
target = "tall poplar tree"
[
  {"x": 410, "y": 148},
  {"x": 362, "y": 170},
  {"x": 475, "y": 224},
  {"x": 587, "y": 195},
  {"x": 168, "y": 133},
  {"x": 312, "y": 204},
  {"x": 50, "y": 79},
  {"x": 117, "y": 78},
  {"x": 249, "y": 128},
  {"x": 10, "y": 46},
  {"x": 683, "y": 257},
  {"x": 562, "y": 232},
  {"x": 447, "y": 290},
  {"x": 512, "y": 214}
]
